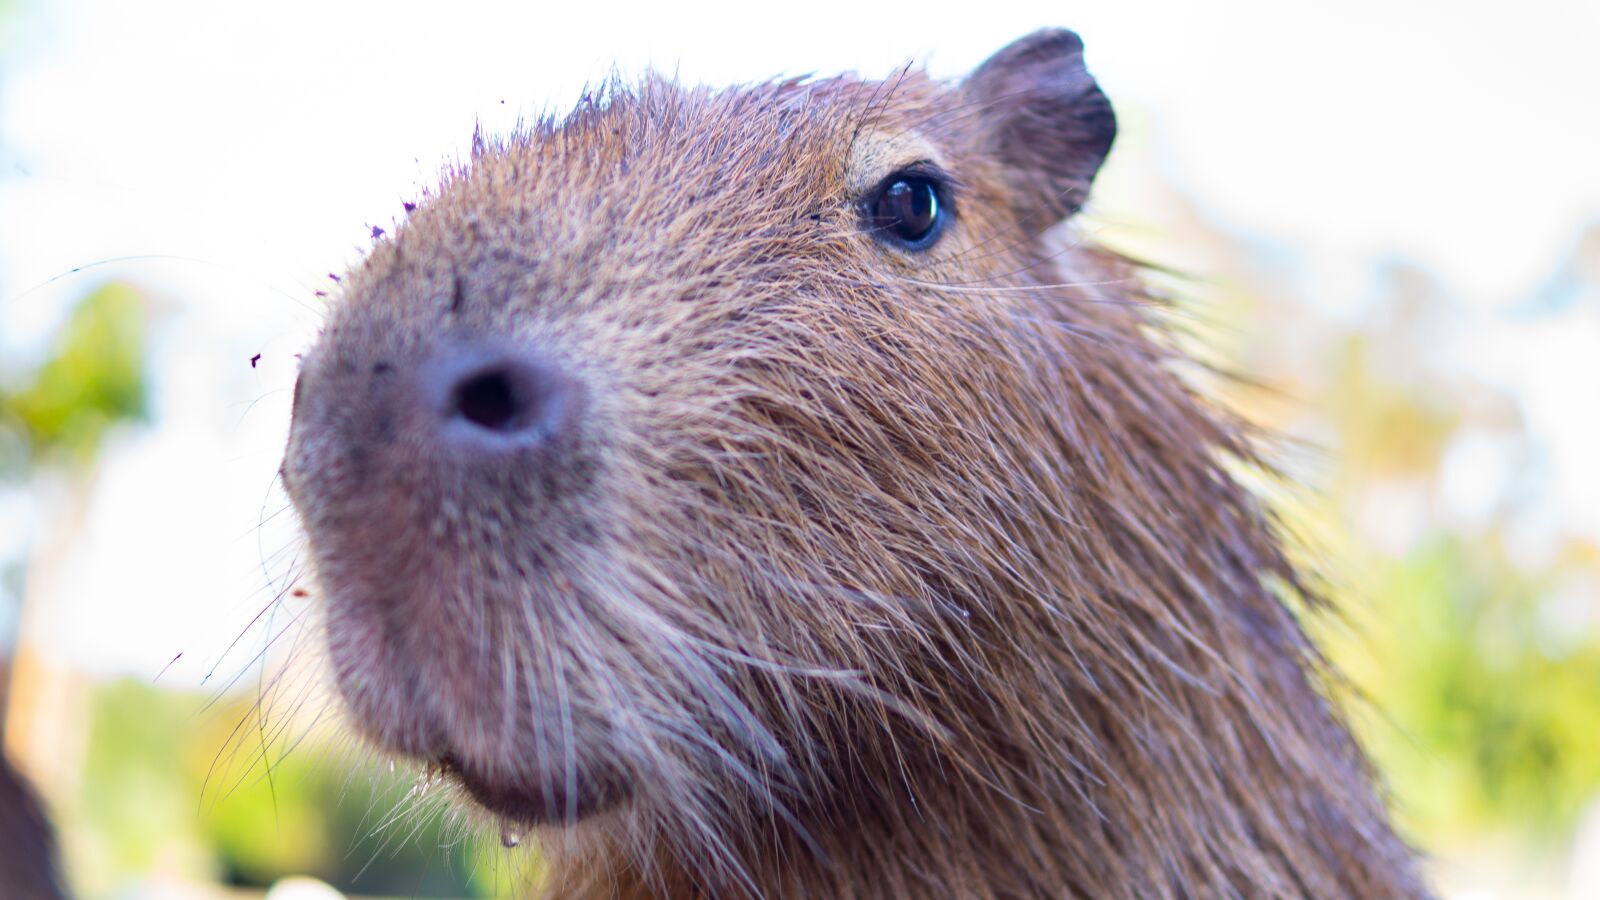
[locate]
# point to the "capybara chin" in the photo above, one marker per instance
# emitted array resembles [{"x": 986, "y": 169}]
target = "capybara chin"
[{"x": 752, "y": 494}]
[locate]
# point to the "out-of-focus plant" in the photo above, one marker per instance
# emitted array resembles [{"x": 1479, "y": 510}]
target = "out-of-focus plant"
[
  {"x": 166, "y": 775},
  {"x": 1493, "y": 707},
  {"x": 1477, "y": 670},
  {"x": 93, "y": 379}
]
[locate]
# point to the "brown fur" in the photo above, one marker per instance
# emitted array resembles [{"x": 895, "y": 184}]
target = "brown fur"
[{"x": 864, "y": 572}]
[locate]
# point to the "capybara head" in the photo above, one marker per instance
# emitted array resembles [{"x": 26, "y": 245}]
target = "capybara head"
[{"x": 754, "y": 492}]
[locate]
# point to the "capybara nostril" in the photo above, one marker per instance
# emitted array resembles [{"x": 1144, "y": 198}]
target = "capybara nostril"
[
  {"x": 509, "y": 395},
  {"x": 494, "y": 401}
]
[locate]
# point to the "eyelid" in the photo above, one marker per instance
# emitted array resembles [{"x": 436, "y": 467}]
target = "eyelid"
[{"x": 946, "y": 183}]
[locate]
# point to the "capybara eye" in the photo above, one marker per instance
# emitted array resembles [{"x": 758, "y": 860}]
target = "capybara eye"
[{"x": 906, "y": 211}]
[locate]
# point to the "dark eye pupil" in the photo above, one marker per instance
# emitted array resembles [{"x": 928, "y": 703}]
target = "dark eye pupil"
[{"x": 907, "y": 209}]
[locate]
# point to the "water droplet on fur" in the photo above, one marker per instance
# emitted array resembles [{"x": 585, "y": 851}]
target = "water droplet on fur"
[{"x": 509, "y": 836}]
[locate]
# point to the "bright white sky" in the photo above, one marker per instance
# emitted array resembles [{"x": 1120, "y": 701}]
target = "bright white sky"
[{"x": 246, "y": 149}]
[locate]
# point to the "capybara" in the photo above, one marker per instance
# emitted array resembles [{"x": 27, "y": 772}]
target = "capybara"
[{"x": 753, "y": 493}]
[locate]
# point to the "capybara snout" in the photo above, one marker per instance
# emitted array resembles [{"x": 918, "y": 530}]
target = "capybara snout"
[{"x": 454, "y": 407}]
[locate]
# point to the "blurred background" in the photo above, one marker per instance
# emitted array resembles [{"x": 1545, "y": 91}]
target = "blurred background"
[{"x": 1389, "y": 213}]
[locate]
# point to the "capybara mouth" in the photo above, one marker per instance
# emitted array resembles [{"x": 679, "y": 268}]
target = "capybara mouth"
[
  {"x": 528, "y": 773},
  {"x": 489, "y": 708},
  {"x": 560, "y": 797}
]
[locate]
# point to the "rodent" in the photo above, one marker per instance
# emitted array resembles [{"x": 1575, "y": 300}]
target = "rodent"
[{"x": 753, "y": 494}]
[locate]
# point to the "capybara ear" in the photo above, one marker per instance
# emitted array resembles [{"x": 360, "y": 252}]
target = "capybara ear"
[{"x": 1046, "y": 120}]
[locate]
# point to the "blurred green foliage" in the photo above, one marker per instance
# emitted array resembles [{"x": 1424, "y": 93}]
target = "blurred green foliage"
[
  {"x": 93, "y": 378},
  {"x": 172, "y": 785},
  {"x": 1494, "y": 706},
  {"x": 1475, "y": 671}
]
